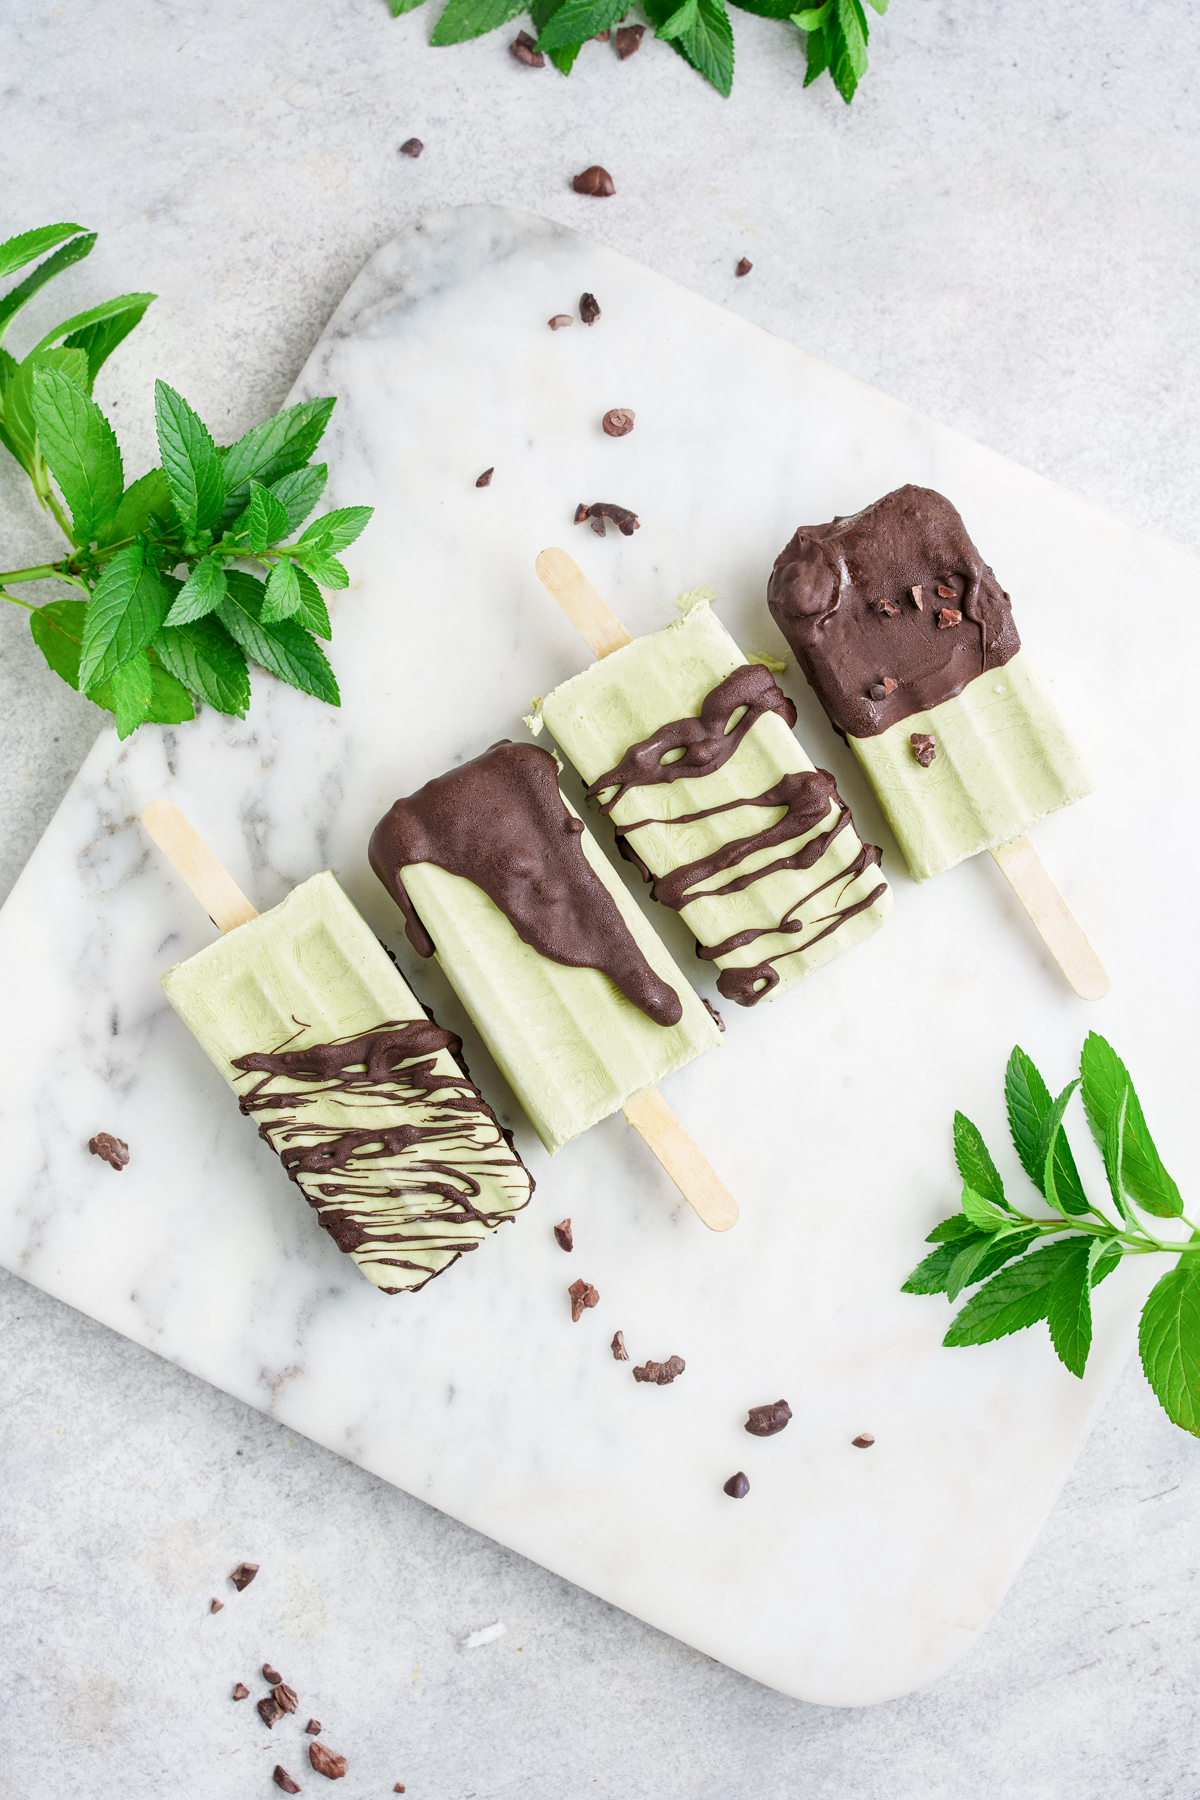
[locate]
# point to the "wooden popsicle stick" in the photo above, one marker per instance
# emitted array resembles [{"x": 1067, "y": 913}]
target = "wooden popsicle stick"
[
  {"x": 188, "y": 854},
  {"x": 1052, "y": 918},
  {"x": 696, "y": 1180},
  {"x": 595, "y": 621}
]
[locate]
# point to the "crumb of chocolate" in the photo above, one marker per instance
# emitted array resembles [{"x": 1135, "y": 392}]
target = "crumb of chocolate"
[
  {"x": 283, "y": 1780},
  {"x": 620, "y": 1353},
  {"x": 660, "y": 1373},
  {"x": 948, "y": 618},
  {"x": 765, "y": 1421},
  {"x": 485, "y": 480},
  {"x": 618, "y": 422},
  {"x": 589, "y": 308},
  {"x": 559, "y": 320},
  {"x": 887, "y": 608},
  {"x": 595, "y": 181},
  {"x": 313, "y": 1728},
  {"x": 946, "y": 593},
  {"x": 863, "y": 1441},
  {"x": 241, "y": 1692},
  {"x": 216, "y": 1606},
  {"x": 628, "y": 39},
  {"x": 582, "y": 1294},
  {"x": 112, "y": 1150},
  {"x": 411, "y": 147},
  {"x": 737, "y": 1487},
  {"x": 625, "y": 521},
  {"x": 882, "y": 689},
  {"x": 918, "y": 594},
  {"x": 325, "y": 1762},
  {"x": 525, "y": 49},
  {"x": 713, "y": 1014},
  {"x": 285, "y": 1696},
  {"x": 563, "y": 1234},
  {"x": 924, "y": 747},
  {"x": 243, "y": 1575},
  {"x": 269, "y": 1710},
  {"x": 271, "y": 1675},
  {"x": 744, "y": 267}
]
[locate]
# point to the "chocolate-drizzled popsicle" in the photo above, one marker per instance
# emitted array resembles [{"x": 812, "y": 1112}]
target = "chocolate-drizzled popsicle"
[{"x": 908, "y": 640}]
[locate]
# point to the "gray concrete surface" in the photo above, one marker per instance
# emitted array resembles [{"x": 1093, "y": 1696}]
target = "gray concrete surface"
[{"x": 1000, "y": 231}]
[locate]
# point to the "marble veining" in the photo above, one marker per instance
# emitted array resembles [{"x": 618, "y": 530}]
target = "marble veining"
[{"x": 845, "y": 1576}]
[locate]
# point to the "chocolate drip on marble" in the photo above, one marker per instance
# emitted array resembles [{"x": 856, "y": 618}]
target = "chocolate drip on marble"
[
  {"x": 806, "y": 797},
  {"x": 890, "y": 611},
  {"x": 501, "y": 823}
]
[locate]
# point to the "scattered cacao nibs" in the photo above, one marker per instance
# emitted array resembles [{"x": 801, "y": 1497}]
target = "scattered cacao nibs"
[
  {"x": 948, "y": 617},
  {"x": 924, "y": 747},
  {"x": 216, "y": 1606},
  {"x": 737, "y": 1487},
  {"x": 618, "y": 422},
  {"x": 582, "y": 1294},
  {"x": 559, "y": 320},
  {"x": 620, "y": 1353},
  {"x": 485, "y": 480},
  {"x": 628, "y": 39},
  {"x": 325, "y": 1762},
  {"x": 625, "y": 521},
  {"x": 563, "y": 1235},
  {"x": 525, "y": 49},
  {"x": 918, "y": 594},
  {"x": 112, "y": 1150},
  {"x": 882, "y": 689},
  {"x": 589, "y": 308},
  {"x": 241, "y": 1692},
  {"x": 660, "y": 1373},
  {"x": 283, "y": 1780},
  {"x": 313, "y": 1728},
  {"x": 886, "y": 608},
  {"x": 714, "y": 1015},
  {"x": 243, "y": 1575},
  {"x": 284, "y": 1696},
  {"x": 271, "y": 1675},
  {"x": 269, "y": 1710},
  {"x": 947, "y": 593},
  {"x": 411, "y": 147},
  {"x": 595, "y": 181},
  {"x": 400, "y": 1787},
  {"x": 744, "y": 267},
  {"x": 765, "y": 1421},
  {"x": 863, "y": 1441}
]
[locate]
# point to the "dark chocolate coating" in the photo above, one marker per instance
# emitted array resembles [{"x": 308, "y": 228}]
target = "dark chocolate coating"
[{"x": 842, "y": 595}]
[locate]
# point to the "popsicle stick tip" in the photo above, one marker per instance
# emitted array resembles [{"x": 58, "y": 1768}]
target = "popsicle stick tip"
[
  {"x": 593, "y": 619},
  {"x": 688, "y": 1168},
  {"x": 191, "y": 858},
  {"x": 1052, "y": 918}
]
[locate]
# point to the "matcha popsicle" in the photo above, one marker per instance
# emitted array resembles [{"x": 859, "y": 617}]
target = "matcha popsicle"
[
  {"x": 909, "y": 642},
  {"x": 360, "y": 1094},
  {"x": 577, "y": 999},
  {"x": 688, "y": 748}
]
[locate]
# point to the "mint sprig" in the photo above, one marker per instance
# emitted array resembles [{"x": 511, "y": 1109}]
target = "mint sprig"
[
  {"x": 164, "y": 611},
  {"x": 1026, "y": 1267}
]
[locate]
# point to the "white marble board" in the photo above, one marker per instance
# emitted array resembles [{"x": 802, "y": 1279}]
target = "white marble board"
[{"x": 845, "y": 1577}]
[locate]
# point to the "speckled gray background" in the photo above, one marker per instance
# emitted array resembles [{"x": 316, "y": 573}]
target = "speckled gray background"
[{"x": 1001, "y": 231}]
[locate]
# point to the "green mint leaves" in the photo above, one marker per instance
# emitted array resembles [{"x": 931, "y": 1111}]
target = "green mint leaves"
[
  {"x": 164, "y": 612},
  {"x": 984, "y": 1245},
  {"x": 698, "y": 30}
]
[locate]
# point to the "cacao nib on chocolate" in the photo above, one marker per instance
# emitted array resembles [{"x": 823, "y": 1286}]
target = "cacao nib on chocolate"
[
  {"x": 595, "y": 181},
  {"x": 660, "y": 1373},
  {"x": 112, "y": 1150},
  {"x": 563, "y": 1235},
  {"x": 765, "y": 1421},
  {"x": 737, "y": 1487}
]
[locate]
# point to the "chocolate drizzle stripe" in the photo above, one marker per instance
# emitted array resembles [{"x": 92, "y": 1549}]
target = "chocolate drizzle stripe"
[{"x": 807, "y": 798}]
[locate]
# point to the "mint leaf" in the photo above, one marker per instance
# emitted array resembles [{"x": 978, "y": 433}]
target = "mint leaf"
[
  {"x": 813, "y": 19},
  {"x": 62, "y": 259},
  {"x": 205, "y": 658},
  {"x": 283, "y": 594},
  {"x": 27, "y": 246},
  {"x": 1169, "y": 1342},
  {"x": 564, "y": 60},
  {"x": 846, "y": 37},
  {"x": 1060, "y": 1178},
  {"x": 266, "y": 519},
  {"x": 93, "y": 316},
  {"x": 285, "y": 648},
  {"x": 700, "y": 31},
  {"x": 80, "y": 448},
  {"x": 128, "y": 606},
  {"x": 20, "y": 429},
  {"x": 880, "y": 6},
  {"x": 276, "y": 447},
  {"x": 1069, "y": 1312},
  {"x": 397, "y": 7},
  {"x": 1029, "y": 1105},
  {"x": 335, "y": 531},
  {"x": 1018, "y": 1296},
  {"x": 982, "y": 1214},
  {"x": 148, "y": 498},
  {"x": 299, "y": 492},
  {"x": 101, "y": 338},
  {"x": 132, "y": 691},
  {"x": 957, "y": 1225},
  {"x": 575, "y": 21},
  {"x": 1114, "y": 1159},
  {"x": 327, "y": 571},
  {"x": 974, "y": 1161},
  {"x": 1105, "y": 1078},
  {"x": 190, "y": 461},
  {"x": 818, "y": 47},
  {"x": 964, "y": 1270},
  {"x": 466, "y": 19},
  {"x": 932, "y": 1275},
  {"x": 312, "y": 612},
  {"x": 201, "y": 593},
  {"x": 58, "y": 632}
]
